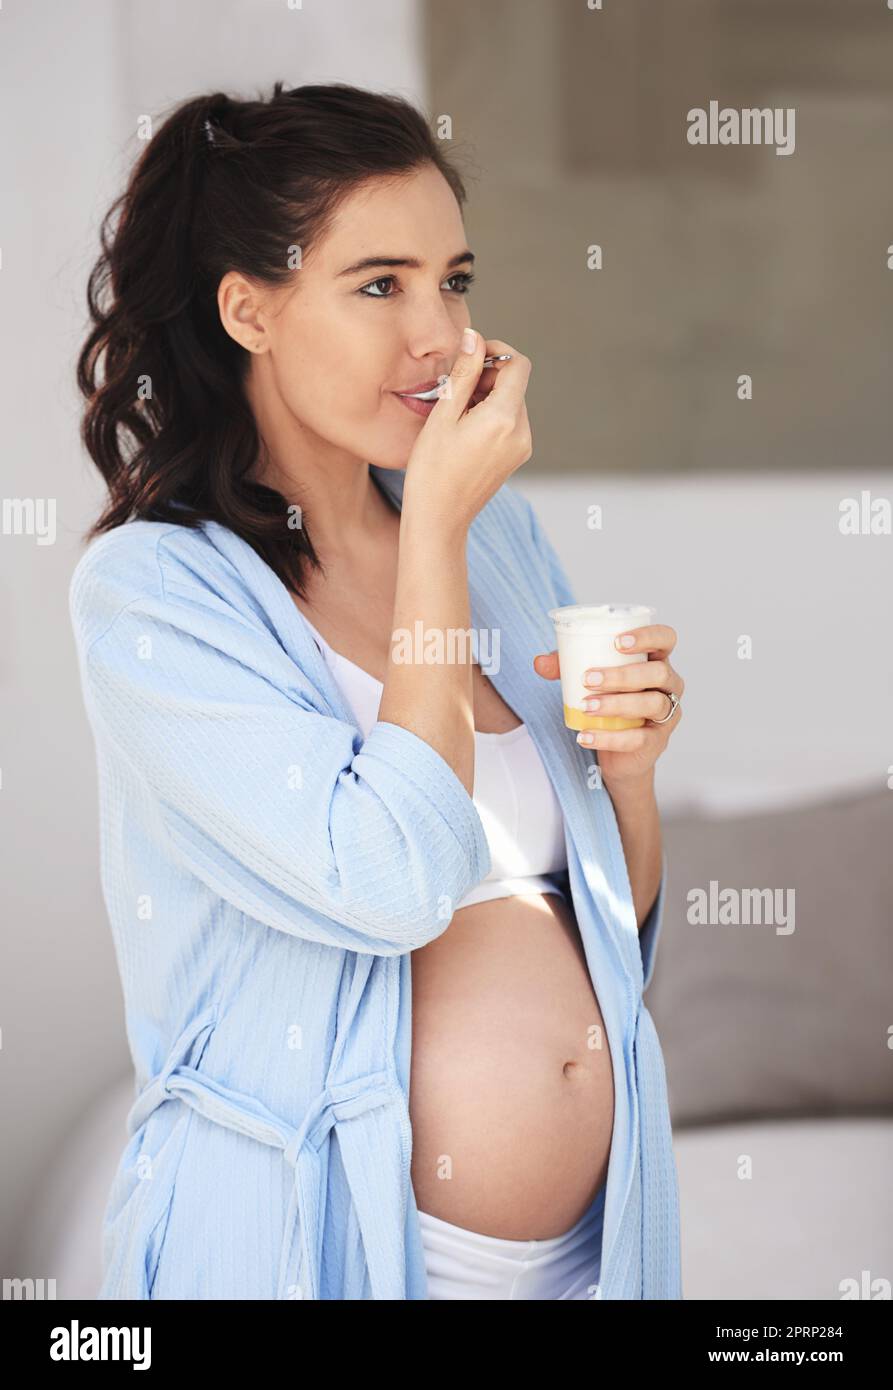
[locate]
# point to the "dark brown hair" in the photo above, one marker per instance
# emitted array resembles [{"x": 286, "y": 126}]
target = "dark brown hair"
[{"x": 222, "y": 185}]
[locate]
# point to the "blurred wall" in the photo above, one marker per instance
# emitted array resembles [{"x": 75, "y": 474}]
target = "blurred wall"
[
  {"x": 60, "y": 1008},
  {"x": 716, "y": 260}
]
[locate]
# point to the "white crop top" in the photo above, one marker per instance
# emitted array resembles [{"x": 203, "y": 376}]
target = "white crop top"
[{"x": 514, "y": 797}]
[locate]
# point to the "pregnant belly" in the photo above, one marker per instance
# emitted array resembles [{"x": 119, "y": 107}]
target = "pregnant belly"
[{"x": 511, "y": 1089}]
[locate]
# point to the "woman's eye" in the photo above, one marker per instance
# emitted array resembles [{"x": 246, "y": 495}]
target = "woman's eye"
[
  {"x": 462, "y": 280},
  {"x": 382, "y": 280},
  {"x": 465, "y": 278}
]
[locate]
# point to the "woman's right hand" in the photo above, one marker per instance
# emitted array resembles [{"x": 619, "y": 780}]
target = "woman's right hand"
[{"x": 466, "y": 451}]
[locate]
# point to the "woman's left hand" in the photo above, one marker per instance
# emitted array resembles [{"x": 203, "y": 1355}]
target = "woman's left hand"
[{"x": 634, "y": 691}]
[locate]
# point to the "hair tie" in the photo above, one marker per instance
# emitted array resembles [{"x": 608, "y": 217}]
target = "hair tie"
[{"x": 209, "y": 133}]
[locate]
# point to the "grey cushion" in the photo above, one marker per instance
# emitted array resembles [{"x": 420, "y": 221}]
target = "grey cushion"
[{"x": 754, "y": 1022}]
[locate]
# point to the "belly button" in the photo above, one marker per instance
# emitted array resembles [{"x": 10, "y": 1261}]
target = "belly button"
[{"x": 570, "y": 1067}]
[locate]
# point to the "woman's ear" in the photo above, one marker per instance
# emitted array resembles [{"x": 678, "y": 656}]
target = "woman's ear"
[{"x": 241, "y": 312}]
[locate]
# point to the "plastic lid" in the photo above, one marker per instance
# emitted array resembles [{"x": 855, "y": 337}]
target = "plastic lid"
[{"x": 601, "y": 617}]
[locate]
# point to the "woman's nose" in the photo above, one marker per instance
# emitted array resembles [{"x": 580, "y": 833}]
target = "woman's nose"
[{"x": 436, "y": 331}]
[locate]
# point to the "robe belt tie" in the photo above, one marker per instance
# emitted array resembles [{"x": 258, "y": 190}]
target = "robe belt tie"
[{"x": 368, "y": 1114}]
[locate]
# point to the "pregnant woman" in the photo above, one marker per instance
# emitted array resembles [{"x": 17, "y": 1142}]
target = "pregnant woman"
[{"x": 382, "y": 924}]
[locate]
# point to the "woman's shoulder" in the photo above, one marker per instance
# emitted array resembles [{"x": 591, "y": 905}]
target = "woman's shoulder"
[{"x": 156, "y": 562}]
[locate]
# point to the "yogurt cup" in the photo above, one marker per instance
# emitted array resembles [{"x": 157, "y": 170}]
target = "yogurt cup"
[{"x": 585, "y": 638}]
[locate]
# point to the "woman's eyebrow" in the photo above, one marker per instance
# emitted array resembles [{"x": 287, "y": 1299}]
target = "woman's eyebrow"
[{"x": 372, "y": 262}]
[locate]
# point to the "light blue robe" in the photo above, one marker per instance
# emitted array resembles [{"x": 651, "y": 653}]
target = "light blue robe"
[{"x": 267, "y": 873}]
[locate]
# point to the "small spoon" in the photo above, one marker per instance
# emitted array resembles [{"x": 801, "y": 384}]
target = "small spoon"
[{"x": 434, "y": 392}]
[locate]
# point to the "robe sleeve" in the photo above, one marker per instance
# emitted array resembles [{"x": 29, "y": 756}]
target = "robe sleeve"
[{"x": 282, "y": 810}]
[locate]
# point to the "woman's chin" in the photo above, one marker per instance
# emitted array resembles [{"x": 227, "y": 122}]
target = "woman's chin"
[{"x": 396, "y": 459}]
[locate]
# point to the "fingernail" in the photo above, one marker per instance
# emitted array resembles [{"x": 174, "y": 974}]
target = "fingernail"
[
  {"x": 591, "y": 702},
  {"x": 594, "y": 677},
  {"x": 584, "y": 738},
  {"x": 627, "y": 640},
  {"x": 469, "y": 340}
]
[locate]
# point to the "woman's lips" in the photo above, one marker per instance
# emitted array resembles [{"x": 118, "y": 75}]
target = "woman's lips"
[{"x": 422, "y": 408}]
